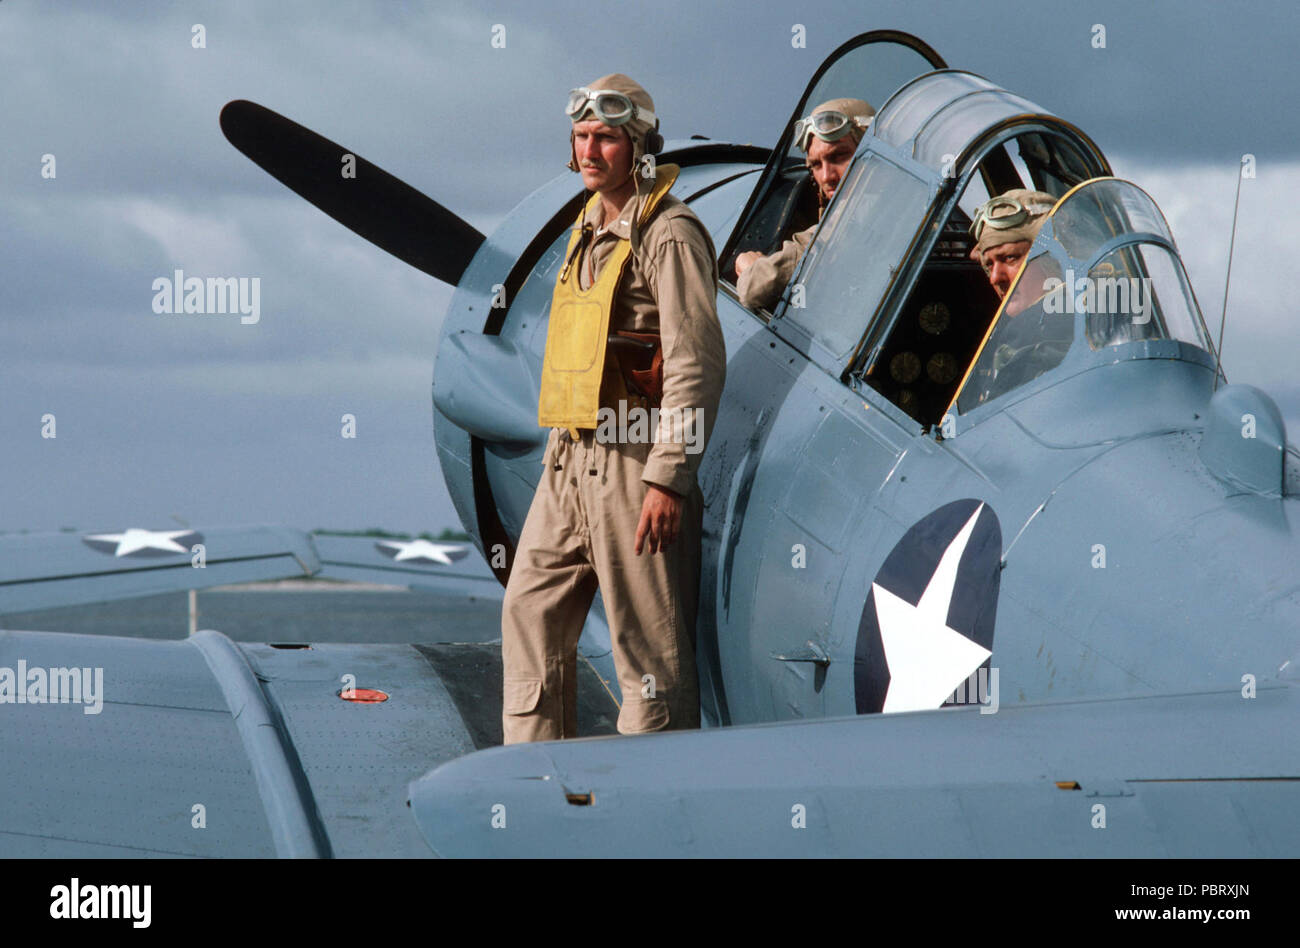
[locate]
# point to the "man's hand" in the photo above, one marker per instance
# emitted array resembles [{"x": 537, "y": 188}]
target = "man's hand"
[
  {"x": 661, "y": 518},
  {"x": 747, "y": 260}
]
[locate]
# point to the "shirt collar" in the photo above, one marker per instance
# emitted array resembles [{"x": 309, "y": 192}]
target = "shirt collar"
[{"x": 621, "y": 227}]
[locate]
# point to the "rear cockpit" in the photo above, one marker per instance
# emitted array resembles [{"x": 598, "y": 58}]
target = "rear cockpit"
[{"x": 785, "y": 200}]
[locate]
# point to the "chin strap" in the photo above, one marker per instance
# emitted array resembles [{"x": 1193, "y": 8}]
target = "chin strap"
[{"x": 634, "y": 231}]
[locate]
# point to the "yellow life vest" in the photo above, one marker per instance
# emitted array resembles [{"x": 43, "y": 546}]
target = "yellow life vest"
[{"x": 574, "y": 363}]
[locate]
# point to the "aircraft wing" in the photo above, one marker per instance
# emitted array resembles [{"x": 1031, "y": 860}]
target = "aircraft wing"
[
  {"x": 50, "y": 570},
  {"x": 1193, "y": 775},
  {"x": 204, "y": 747},
  {"x": 46, "y": 570},
  {"x": 443, "y": 567}
]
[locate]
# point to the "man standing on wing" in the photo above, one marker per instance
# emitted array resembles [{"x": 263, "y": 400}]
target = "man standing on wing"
[
  {"x": 620, "y": 514},
  {"x": 828, "y": 137}
]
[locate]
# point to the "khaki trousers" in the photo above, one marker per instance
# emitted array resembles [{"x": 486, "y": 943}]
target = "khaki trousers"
[{"x": 581, "y": 533}]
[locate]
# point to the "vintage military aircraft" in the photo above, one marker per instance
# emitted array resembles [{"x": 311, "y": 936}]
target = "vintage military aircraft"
[{"x": 980, "y": 577}]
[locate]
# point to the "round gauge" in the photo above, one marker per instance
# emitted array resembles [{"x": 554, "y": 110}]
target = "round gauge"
[
  {"x": 935, "y": 318},
  {"x": 942, "y": 368},
  {"x": 908, "y": 401},
  {"x": 904, "y": 367}
]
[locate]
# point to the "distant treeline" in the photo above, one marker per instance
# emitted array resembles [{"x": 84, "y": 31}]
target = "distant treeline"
[{"x": 446, "y": 534}]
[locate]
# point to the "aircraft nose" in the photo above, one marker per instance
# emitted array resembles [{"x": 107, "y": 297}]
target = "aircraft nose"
[{"x": 483, "y": 386}]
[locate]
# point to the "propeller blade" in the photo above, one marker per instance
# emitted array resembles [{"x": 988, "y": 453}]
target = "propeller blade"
[{"x": 386, "y": 211}]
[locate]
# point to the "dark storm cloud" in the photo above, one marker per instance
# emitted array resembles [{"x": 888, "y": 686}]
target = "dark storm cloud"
[{"x": 209, "y": 415}]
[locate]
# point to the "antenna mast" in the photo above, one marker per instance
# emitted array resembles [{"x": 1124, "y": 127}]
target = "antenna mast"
[{"x": 1223, "y": 320}]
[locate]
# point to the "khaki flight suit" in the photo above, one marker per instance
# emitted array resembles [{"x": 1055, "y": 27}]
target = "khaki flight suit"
[
  {"x": 763, "y": 282},
  {"x": 581, "y": 528}
]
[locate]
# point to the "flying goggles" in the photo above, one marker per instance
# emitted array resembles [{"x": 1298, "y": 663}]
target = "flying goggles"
[
  {"x": 612, "y": 108},
  {"x": 1017, "y": 213},
  {"x": 830, "y": 126}
]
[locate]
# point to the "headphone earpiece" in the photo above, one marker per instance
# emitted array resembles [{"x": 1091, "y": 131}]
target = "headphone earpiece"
[
  {"x": 654, "y": 142},
  {"x": 572, "y": 164}
]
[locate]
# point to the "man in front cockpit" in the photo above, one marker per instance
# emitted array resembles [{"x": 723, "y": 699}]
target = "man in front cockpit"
[
  {"x": 828, "y": 137},
  {"x": 1018, "y": 350},
  {"x": 1004, "y": 229}
]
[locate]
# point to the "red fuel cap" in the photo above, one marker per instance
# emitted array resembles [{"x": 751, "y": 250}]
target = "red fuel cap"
[{"x": 363, "y": 695}]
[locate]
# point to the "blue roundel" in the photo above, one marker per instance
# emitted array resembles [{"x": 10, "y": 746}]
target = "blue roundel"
[{"x": 927, "y": 625}]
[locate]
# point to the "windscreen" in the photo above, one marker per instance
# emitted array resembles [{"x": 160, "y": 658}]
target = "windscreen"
[
  {"x": 857, "y": 252},
  {"x": 1135, "y": 291}
]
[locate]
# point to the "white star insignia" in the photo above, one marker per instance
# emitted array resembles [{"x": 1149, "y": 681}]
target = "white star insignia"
[
  {"x": 926, "y": 659},
  {"x": 422, "y": 550},
  {"x": 135, "y": 540}
]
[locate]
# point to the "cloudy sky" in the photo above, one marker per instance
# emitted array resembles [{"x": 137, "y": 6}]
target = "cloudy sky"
[{"x": 210, "y": 420}]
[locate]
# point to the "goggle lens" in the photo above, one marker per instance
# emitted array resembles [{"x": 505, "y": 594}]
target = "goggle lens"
[
  {"x": 1017, "y": 210},
  {"x": 828, "y": 123},
  {"x": 612, "y": 108},
  {"x": 1016, "y": 217},
  {"x": 577, "y": 102},
  {"x": 829, "y": 126}
]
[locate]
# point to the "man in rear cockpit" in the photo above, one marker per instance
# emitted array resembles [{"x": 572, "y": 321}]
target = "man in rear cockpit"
[{"x": 828, "y": 137}]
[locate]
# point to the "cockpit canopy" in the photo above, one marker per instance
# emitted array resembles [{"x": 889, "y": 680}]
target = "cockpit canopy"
[
  {"x": 871, "y": 66},
  {"x": 1102, "y": 272},
  {"x": 889, "y": 296},
  {"x": 891, "y": 293},
  {"x": 947, "y": 119}
]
